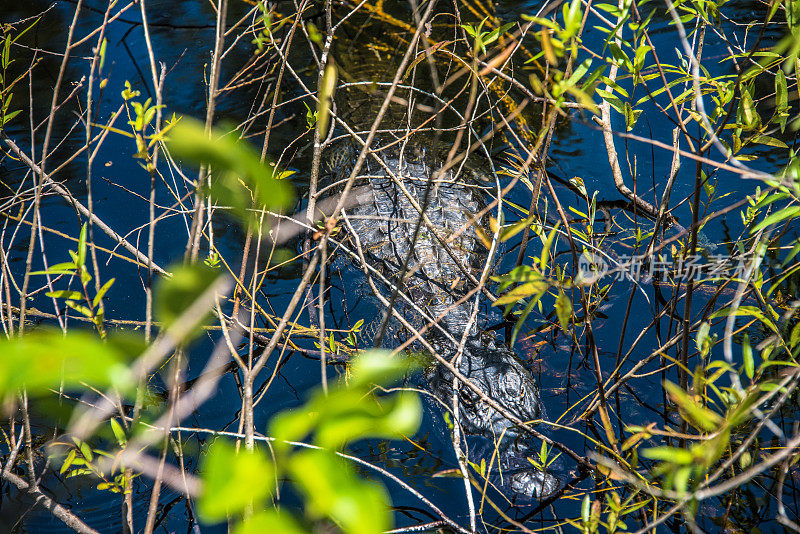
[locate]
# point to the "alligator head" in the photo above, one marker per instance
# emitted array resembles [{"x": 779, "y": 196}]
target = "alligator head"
[{"x": 499, "y": 375}]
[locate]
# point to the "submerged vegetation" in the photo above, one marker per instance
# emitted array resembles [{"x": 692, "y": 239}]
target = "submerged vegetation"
[{"x": 412, "y": 266}]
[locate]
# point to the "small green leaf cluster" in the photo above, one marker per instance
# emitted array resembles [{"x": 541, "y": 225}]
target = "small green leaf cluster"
[
  {"x": 535, "y": 281},
  {"x": 265, "y": 38},
  {"x": 557, "y": 41},
  {"x": 683, "y": 469},
  {"x": 350, "y": 344},
  {"x": 80, "y": 460},
  {"x": 140, "y": 121},
  {"x": 6, "y": 85},
  {"x": 81, "y": 301},
  {"x": 483, "y": 38},
  {"x": 615, "y": 508}
]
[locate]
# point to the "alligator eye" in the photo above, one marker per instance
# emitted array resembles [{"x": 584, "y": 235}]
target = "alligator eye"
[
  {"x": 468, "y": 397},
  {"x": 513, "y": 386}
]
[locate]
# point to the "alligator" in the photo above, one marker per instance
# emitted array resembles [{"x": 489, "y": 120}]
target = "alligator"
[{"x": 383, "y": 221}]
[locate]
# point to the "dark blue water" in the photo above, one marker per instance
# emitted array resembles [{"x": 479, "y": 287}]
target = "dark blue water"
[{"x": 182, "y": 35}]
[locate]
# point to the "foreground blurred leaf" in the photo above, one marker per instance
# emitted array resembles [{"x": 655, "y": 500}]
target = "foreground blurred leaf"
[
  {"x": 46, "y": 359},
  {"x": 357, "y": 417},
  {"x": 332, "y": 489},
  {"x": 669, "y": 454},
  {"x": 176, "y": 294},
  {"x": 270, "y": 521},
  {"x": 326, "y": 89},
  {"x": 350, "y": 411},
  {"x": 231, "y": 480},
  {"x": 240, "y": 180},
  {"x": 377, "y": 367}
]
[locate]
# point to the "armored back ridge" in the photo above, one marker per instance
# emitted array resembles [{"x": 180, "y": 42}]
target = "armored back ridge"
[{"x": 385, "y": 221}]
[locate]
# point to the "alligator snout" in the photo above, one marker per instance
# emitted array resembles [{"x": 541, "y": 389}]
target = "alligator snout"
[
  {"x": 522, "y": 477},
  {"x": 496, "y": 374},
  {"x": 533, "y": 483}
]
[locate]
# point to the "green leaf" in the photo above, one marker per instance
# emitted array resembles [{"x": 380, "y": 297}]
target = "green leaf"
[
  {"x": 82, "y": 247},
  {"x": 232, "y": 481},
  {"x": 620, "y": 56},
  {"x": 378, "y": 367},
  {"x": 119, "y": 433},
  {"x": 581, "y": 69},
  {"x": 586, "y": 506},
  {"x": 102, "y": 292},
  {"x": 631, "y": 116},
  {"x": 65, "y": 294},
  {"x": 358, "y": 417},
  {"x": 791, "y": 255},
  {"x": 545, "y": 256},
  {"x": 563, "y": 310},
  {"x": 523, "y": 316},
  {"x": 8, "y": 116},
  {"x": 748, "y": 109},
  {"x": 794, "y": 338},
  {"x": 786, "y": 213},
  {"x": 641, "y": 53},
  {"x": 747, "y": 356},
  {"x": 497, "y": 32},
  {"x": 522, "y": 291},
  {"x": 6, "y": 51},
  {"x": 86, "y": 451},
  {"x": 615, "y": 102},
  {"x": 769, "y": 141},
  {"x": 702, "y": 339},
  {"x": 513, "y": 229},
  {"x": 59, "y": 268},
  {"x": 669, "y": 454},
  {"x": 272, "y": 522},
  {"x": 148, "y": 116},
  {"x": 80, "y": 308},
  {"x": 572, "y": 18},
  {"x": 292, "y": 425},
  {"x": 743, "y": 411},
  {"x": 85, "y": 276},
  {"x": 520, "y": 274},
  {"x": 311, "y": 116},
  {"x": 68, "y": 461},
  {"x": 350, "y": 411},
  {"x": 589, "y": 85},
  {"x": 102, "y": 53},
  {"x": 781, "y": 98},
  {"x": 333, "y": 490}
]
